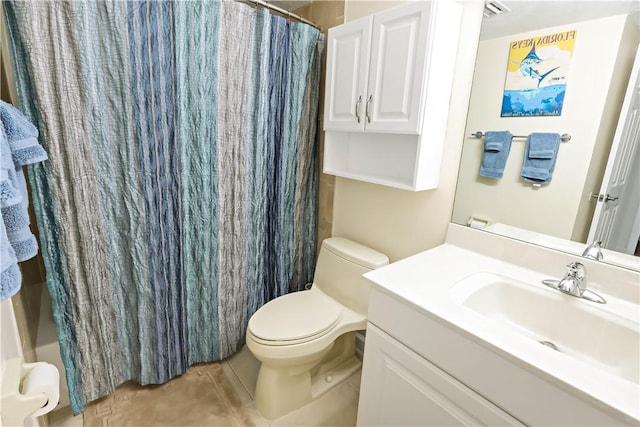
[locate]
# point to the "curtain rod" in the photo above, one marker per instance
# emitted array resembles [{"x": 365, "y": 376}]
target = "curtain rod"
[{"x": 283, "y": 12}]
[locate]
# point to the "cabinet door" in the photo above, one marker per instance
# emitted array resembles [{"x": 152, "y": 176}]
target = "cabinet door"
[
  {"x": 348, "y": 49},
  {"x": 397, "y": 70},
  {"x": 400, "y": 388}
]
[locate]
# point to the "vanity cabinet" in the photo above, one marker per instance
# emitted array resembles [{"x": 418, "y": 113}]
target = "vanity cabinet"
[
  {"x": 401, "y": 388},
  {"x": 388, "y": 84},
  {"x": 419, "y": 370}
]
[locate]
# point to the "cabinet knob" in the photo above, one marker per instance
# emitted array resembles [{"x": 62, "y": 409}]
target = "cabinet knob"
[
  {"x": 358, "y": 102},
  {"x": 366, "y": 112}
]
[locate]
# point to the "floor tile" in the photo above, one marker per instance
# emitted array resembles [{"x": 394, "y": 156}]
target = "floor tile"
[
  {"x": 246, "y": 367},
  {"x": 244, "y": 396},
  {"x": 338, "y": 407},
  {"x": 354, "y": 380},
  {"x": 64, "y": 418},
  {"x": 203, "y": 396}
]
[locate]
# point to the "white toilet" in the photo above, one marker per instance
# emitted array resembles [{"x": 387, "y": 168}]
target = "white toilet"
[{"x": 306, "y": 340}]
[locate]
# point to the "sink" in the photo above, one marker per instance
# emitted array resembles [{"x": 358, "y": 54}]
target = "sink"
[{"x": 572, "y": 326}]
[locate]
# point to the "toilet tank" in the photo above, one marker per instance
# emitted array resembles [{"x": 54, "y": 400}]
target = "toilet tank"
[{"x": 341, "y": 264}]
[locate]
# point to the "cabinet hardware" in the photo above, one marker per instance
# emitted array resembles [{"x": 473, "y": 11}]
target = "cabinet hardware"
[
  {"x": 366, "y": 113},
  {"x": 358, "y": 108}
]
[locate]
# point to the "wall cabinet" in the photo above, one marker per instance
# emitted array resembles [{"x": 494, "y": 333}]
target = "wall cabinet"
[
  {"x": 388, "y": 85},
  {"x": 375, "y": 71},
  {"x": 347, "y": 68}
]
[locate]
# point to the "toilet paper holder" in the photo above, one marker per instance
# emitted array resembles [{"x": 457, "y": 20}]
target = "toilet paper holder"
[{"x": 16, "y": 407}]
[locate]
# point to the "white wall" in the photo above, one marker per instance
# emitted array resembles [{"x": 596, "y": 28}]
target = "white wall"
[
  {"x": 354, "y": 9},
  {"x": 397, "y": 222},
  {"x": 11, "y": 346},
  {"x": 550, "y": 209}
]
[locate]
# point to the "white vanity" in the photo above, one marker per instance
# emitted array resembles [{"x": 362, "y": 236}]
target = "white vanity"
[{"x": 455, "y": 338}]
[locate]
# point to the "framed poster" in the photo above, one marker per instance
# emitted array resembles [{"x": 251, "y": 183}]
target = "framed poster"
[{"x": 537, "y": 75}]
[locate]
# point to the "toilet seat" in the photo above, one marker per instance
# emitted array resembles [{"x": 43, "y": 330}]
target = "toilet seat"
[{"x": 295, "y": 318}]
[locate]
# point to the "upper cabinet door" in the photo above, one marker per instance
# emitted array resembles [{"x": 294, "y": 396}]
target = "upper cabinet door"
[
  {"x": 397, "y": 70},
  {"x": 347, "y": 70}
]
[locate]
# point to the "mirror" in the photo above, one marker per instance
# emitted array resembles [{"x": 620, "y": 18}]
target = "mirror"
[{"x": 559, "y": 214}]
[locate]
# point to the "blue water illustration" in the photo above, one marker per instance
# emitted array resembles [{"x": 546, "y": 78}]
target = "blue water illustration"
[{"x": 545, "y": 101}]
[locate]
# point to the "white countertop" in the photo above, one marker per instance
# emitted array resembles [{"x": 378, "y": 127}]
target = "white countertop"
[{"x": 423, "y": 282}]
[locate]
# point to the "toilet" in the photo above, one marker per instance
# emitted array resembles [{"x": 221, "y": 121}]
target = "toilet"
[{"x": 306, "y": 340}]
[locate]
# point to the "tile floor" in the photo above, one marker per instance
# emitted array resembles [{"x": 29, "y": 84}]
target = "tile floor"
[
  {"x": 338, "y": 407},
  {"x": 64, "y": 418}
]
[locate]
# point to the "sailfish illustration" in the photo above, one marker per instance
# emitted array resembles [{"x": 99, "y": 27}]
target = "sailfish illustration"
[{"x": 528, "y": 62}]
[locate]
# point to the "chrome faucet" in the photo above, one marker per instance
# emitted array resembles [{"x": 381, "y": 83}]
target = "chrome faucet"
[
  {"x": 574, "y": 283},
  {"x": 594, "y": 251}
]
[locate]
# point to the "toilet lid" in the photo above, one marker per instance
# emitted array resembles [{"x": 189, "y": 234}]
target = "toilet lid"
[{"x": 295, "y": 317}]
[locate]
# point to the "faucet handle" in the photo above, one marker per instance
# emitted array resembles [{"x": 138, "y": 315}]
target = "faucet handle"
[
  {"x": 577, "y": 270},
  {"x": 575, "y": 267}
]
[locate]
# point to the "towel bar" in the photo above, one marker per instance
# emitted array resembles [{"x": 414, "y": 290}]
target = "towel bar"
[{"x": 565, "y": 137}]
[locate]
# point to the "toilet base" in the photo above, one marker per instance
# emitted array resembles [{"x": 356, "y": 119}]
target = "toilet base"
[{"x": 281, "y": 390}]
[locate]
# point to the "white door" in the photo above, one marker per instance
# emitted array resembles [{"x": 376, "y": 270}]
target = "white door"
[
  {"x": 397, "y": 70},
  {"x": 348, "y": 50},
  {"x": 617, "y": 206}
]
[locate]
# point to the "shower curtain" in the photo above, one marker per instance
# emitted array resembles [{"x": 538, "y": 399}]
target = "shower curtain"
[{"x": 180, "y": 194}]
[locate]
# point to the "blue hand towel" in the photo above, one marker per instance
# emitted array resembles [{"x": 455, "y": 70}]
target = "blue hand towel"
[
  {"x": 540, "y": 156},
  {"x": 496, "y": 150}
]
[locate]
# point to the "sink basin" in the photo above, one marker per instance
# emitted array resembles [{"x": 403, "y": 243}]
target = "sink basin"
[{"x": 572, "y": 326}]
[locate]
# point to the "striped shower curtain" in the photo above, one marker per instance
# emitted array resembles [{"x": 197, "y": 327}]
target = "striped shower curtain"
[{"x": 180, "y": 191}]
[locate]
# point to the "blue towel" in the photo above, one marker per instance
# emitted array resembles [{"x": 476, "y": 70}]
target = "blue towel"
[
  {"x": 540, "y": 156},
  {"x": 496, "y": 150},
  {"x": 16, "y": 222},
  {"x": 9, "y": 191},
  {"x": 10, "y": 277},
  {"x": 22, "y": 136},
  {"x": 18, "y": 146}
]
